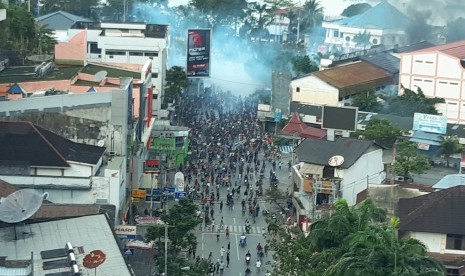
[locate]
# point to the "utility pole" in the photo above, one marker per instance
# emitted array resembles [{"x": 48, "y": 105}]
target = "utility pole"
[{"x": 166, "y": 248}]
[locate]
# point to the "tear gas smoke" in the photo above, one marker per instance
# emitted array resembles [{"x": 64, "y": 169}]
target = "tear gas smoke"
[{"x": 234, "y": 66}]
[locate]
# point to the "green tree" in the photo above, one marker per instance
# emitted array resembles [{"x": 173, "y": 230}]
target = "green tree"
[
  {"x": 18, "y": 30},
  {"x": 362, "y": 40},
  {"x": 180, "y": 220},
  {"x": 450, "y": 145},
  {"x": 175, "y": 82},
  {"x": 45, "y": 40},
  {"x": 303, "y": 65},
  {"x": 311, "y": 15},
  {"x": 455, "y": 30},
  {"x": 410, "y": 102},
  {"x": 366, "y": 102},
  {"x": 409, "y": 160},
  {"x": 355, "y": 9},
  {"x": 82, "y": 8},
  {"x": 380, "y": 130},
  {"x": 221, "y": 11},
  {"x": 352, "y": 241}
]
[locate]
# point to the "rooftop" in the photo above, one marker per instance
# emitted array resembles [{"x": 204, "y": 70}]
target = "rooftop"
[
  {"x": 59, "y": 20},
  {"x": 26, "y": 74},
  {"x": 437, "y": 212},
  {"x": 319, "y": 151},
  {"x": 45, "y": 243},
  {"x": 455, "y": 49},
  {"x": 112, "y": 71},
  {"x": 29, "y": 144},
  {"x": 382, "y": 16}
]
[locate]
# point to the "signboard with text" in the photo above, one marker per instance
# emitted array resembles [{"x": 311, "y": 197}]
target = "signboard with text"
[
  {"x": 430, "y": 123},
  {"x": 125, "y": 230},
  {"x": 198, "y": 52},
  {"x": 136, "y": 193}
]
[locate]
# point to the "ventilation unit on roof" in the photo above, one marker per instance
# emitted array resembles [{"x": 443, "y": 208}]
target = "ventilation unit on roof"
[
  {"x": 71, "y": 259},
  {"x": 69, "y": 248}
]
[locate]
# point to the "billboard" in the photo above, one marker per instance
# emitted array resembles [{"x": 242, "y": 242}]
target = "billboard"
[
  {"x": 198, "y": 52},
  {"x": 430, "y": 123},
  {"x": 339, "y": 118},
  {"x": 179, "y": 182}
]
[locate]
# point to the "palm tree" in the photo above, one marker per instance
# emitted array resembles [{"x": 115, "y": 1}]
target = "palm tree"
[
  {"x": 310, "y": 15},
  {"x": 449, "y": 145},
  {"x": 354, "y": 241}
]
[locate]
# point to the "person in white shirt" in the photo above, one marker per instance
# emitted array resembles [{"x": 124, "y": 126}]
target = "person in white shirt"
[{"x": 258, "y": 264}]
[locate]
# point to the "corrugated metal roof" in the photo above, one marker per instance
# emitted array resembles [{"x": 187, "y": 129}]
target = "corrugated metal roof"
[
  {"x": 59, "y": 20},
  {"x": 90, "y": 233},
  {"x": 450, "y": 181},
  {"x": 382, "y": 16},
  {"x": 455, "y": 49},
  {"x": 352, "y": 74}
]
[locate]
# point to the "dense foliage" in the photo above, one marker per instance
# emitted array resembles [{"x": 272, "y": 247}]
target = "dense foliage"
[
  {"x": 410, "y": 102},
  {"x": 367, "y": 101},
  {"x": 181, "y": 220},
  {"x": 380, "y": 130},
  {"x": 353, "y": 241},
  {"x": 409, "y": 160}
]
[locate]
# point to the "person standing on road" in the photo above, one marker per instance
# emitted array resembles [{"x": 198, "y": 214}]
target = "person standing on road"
[
  {"x": 222, "y": 250},
  {"x": 227, "y": 259},
  {"x": 227, "y": 232},
  {"x": 221, "y": 267},
  {"x": 258, "y": 264}
]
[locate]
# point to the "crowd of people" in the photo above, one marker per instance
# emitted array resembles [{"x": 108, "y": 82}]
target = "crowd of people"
[{"x": 229, "y": 155}]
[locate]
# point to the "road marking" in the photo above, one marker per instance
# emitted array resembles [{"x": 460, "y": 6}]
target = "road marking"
[
  {"x": 237, "y": 247},
  {"x": 234, "y": 220}
]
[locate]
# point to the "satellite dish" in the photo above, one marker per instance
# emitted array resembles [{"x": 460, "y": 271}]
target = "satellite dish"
[
  {"x": 101, "y": 143},
  {"x": 336, "y": 161},
  {"x": 100, "y": 76},
  {"x": 20, "y": 205}
]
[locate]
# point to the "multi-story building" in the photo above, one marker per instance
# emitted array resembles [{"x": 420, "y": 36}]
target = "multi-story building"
[
  {"x": 126, "y": 45},
  {"x": 381, "y": 25},
  {"x": 317, "y": 183},
  {"x": 439, "y": 72}
]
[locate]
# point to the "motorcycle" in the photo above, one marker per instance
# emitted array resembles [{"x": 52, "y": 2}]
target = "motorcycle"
[
  {"x": 266, "y": 213},
  {"x": 247, "y": 229},
  {"x": 247, "y": 259},
  {"x": 242, "y": 242}
]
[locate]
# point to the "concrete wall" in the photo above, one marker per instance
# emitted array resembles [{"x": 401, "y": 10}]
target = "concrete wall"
[
  {"x": 434, "y": 242},
  {"x": 312, "y": 90},
  {"x": 387, "y": 196},
  {"x": 368, "y": 168},
  {"x": 438, "y": 75},
  {"x": 280, "y": 96},
  {"x": 73, "y": 51},
  {"x": 82, "y": 118}
]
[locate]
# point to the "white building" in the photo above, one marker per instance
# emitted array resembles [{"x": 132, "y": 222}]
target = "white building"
[
  {"x": 436, "y": 219},
  {"x": 126, "y": 45},
  {"x": 383, "y": 25},
  {"x": 316, "y": 184},
  {"x": 337, "y": 85},
  {"x": 439, "y": 72}
]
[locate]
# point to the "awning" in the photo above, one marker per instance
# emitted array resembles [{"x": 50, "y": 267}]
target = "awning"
[
  {"x": 426, "y": 138},
  {"x": 311, "y": 169}
]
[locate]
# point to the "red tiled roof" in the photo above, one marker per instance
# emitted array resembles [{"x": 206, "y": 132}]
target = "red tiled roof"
[
  {"x": 455, "y": 49},
  {"x": 296, "y": 125}
]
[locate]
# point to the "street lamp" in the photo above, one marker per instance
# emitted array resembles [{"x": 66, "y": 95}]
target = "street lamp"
[{"x": 166, "y": 248}]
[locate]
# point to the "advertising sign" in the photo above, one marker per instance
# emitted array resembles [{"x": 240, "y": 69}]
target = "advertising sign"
[
  {"x": 179, "y": 181},
  {"x": 430, "y": 123},
  {"x": 125, "y": 230},
  {"x": 179, "y": 195},
  {"x": 198, "y": 52},
  {"x": 339, "y": 118},
  {"x": 148, "y": 220},
  {"x": 136, "y": 193}
]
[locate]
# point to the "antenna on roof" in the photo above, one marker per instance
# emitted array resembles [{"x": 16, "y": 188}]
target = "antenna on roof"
[
  {"x": 20, "y": 206},
  {"x": 100, "y": 76}
]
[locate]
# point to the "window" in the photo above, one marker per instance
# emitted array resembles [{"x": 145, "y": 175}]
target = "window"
[
  {"x": 297, "y": 89},
  {"x": 136, "y": 54},
  {"x": 453, "y": 83},
  {"x": 452, "y": 272},
  {"x": 336, "y": 33},
  {"x": 427, "y": 81},
  {"x": 418, "y": 61},
  {"x": 443, "y": 82},
  {"x": 428, "y": 62},
  {"x": 116, "y": 53},
  {"x": 154, "y": 75},
  {"x": 94, "y": 49},
  {"x": 151, "y": 54},
  {"x": 455, "y": 242}
]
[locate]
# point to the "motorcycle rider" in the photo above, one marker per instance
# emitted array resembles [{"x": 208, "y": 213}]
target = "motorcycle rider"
[
  {"x": 243, "y": 240},
  {"x": 248, "y": 256}
]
